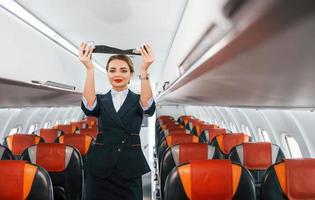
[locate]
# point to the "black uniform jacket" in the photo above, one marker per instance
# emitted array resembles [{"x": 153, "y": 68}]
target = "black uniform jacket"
[{"x": 118, "y": 143}]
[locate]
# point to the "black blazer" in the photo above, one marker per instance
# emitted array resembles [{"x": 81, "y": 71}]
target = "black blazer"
[{"x": 118, "y": 143}]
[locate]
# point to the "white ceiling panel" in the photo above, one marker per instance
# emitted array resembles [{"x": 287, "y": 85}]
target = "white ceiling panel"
[{"x": 118, "y": 23}]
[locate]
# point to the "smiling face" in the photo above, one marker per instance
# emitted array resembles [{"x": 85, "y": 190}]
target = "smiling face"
[{"x": 119, "y": 74}]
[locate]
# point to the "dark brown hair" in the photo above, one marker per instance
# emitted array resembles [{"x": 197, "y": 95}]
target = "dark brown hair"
[{"x": 123, "y": 58}]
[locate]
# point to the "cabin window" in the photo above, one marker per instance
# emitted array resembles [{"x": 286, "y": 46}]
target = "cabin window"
[
  {"x": 216, "y": 122},
  {"x": 57, "y": 122},
  {"x": 47, "y": 125},
  {"x": 265, "y": 136},
  {"x": 246, "y": 130},
  {"x": 67, "y": 121},
  {"x": 233, "y": 127},
  {"x": 293, "y": 147},
  {"x": 223, "y": 124},
  {"x": 33, "y": 128},
  {"x": 15, "y": 130}
]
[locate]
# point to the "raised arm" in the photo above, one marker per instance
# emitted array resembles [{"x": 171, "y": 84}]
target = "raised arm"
[
  {"x": 146, "y": 90},
  {"x": 89, "y": 87}
]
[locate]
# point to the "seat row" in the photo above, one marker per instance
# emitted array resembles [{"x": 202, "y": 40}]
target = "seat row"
[
  {"x": 18, "y": 143},
  {"x": 45, "y": 170},
  {"x": 184, "y": 162}
]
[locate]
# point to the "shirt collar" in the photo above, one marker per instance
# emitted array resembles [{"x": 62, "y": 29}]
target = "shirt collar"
[{"x": 115, "y": 92}]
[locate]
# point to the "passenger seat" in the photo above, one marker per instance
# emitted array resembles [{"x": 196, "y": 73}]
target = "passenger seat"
[
  {"x": 183, "y": 153},
  {"x": 225, "y": 142},
  {"x": 171, "y": 140},
  {"x": 66, "y": 128},
  {"x": 82, "y": 142},
  {"x": 89, "y": 131},
  {"x": 5, "y": 153},
  {"x": 64, "y": 164},
  {"x": 49, "y": 134},
  {"x": 208, "y": 134},
  {"x": 22, "y": 180},
  {"x": 256, "y": 157},
  {"x": 199, "y": 128},
  {"x": 291, "y": 179},
  {"x": 19, "y": 142},
  {"x": 209, "y": 179}
]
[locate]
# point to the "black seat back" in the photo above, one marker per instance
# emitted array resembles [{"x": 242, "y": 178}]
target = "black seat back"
[
  {"x": 5, "y": 153},
  {"x": 183, "y": 153},
  {"x": 209, "y": 179},
  {"x": 64, "y": 164},
  {"x": 291, "y": 179},
  {"x": 22, "y": 180},
  {"x": 256, "y": 157}
]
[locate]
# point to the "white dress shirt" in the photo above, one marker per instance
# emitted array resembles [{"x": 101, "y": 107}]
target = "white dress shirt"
[{"x": 118, "y": 99}]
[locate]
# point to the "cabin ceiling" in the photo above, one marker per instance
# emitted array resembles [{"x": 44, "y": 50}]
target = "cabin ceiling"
[
  {"x": 270, "y": 63},
  {"x": 117, "y": 23}
]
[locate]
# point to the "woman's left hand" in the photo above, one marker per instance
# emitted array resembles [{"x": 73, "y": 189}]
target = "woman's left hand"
[{"x": 147, "y": 55}]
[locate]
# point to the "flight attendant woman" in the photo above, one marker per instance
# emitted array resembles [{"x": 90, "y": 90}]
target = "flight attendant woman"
[{"x": 116, "y": 163}]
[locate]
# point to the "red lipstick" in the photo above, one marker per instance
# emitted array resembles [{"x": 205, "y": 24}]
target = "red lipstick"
[{"x": 118, "y": 80}]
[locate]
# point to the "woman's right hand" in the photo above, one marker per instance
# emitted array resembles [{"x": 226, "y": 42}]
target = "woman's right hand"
[{"x": 85, "y": 55}]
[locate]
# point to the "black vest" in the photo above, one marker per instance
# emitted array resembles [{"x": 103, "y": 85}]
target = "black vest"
[{"x": 118, "y": 143}]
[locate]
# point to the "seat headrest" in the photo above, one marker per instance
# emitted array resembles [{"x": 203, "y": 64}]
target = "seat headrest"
[
  {"x": 201, "y": 127},
  {"x": 19, "y": 142},
  {"x": 171, "y": 125},
  {"x": 183, "y": 153},
  {"x": 257, "y": 155},
  {"x": 210, "y": 179},
  {"x": 81, "y": 142},
  {"x": 176, "y": 128},
  {"x": 227, "y": 141},
  {"x": 181, "y": 138},
  {"x": 51, "y": 156},
  {"x": 91, "y": 121},
  {"x": 168, "y": 120},
  {"x": 17, "y": 178},
  {"x": 186, "y": 118},
  {"x": 49, "y": 134},
  {"x": 175, "y": 131},
  {"x": 165, "y": 117},
  {"x": 89, "y": 131},
  {"x": 211, "y": 133},
  {"x": 66, "y": 128},
  {"x": 195, "y": 122},
  {"x": 81, "y": 124},
  {"x": 297, "y": 178}
]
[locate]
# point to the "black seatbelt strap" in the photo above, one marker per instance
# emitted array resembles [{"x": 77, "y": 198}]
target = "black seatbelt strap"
[{"x": 112, "y": 50}]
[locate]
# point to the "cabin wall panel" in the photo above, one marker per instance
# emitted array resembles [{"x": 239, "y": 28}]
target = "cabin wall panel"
[
  {"x": 305, "y": 121},
  {"x": 225, "y": 117},
  {"x": 19, "y": 119},
  {"x": 283, "y": 124},
  {"x": 25, "y": 117},
  {"x": 5, "y": 117},
  {"x": 257, "y": 121},
  {"x": 242, "y": 119},
  {"x": 173, "y": 110}
]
